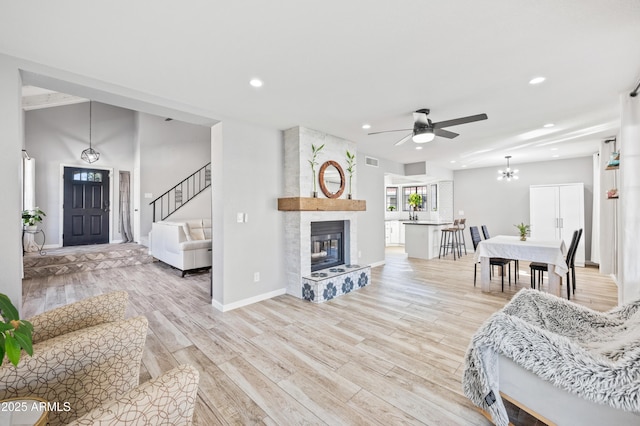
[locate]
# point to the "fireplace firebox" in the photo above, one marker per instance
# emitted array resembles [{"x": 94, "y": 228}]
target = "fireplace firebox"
[{"x": 327, "y": 244}]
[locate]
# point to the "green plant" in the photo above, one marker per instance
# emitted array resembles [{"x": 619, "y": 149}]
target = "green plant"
[
  {"x": 15, "y": 334},
  {"x": 351, "y": 167},
  {"x": 313, "y": 162},
  {"x": 391, "y": 208},
  {"x": 524, "y": 229},
  {"x": 31, "y": 217},
  {"x": 415, "y": 200}
]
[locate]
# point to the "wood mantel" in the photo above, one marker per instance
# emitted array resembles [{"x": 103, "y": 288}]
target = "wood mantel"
[{"x": 299, "y": 204}]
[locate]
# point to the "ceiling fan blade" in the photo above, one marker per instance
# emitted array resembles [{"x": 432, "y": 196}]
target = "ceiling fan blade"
[
  {"x": 403, "y": 140},
  {"x": 458, "y": 121},
  {"x": 445, "y": 133},
  {"x": 389, "y": 131},
  {"x": 421, "y": 119}
]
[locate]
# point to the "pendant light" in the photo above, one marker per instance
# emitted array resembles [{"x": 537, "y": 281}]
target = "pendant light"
[
  {"x": 507, "y": 174},
  {"x": 90, "y": 155}
]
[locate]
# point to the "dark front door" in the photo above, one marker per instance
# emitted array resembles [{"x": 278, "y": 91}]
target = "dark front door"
[{"x": 86, "y": 206}]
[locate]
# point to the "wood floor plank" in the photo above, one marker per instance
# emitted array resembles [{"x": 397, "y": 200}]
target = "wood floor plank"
[
  {"x": 277, "y": 403},
  {"x": 225, "y": 401},
  {"x": 390, "y": 353}
]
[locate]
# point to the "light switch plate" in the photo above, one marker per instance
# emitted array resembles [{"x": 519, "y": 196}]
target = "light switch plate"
[{"x": 240, "y": 217}]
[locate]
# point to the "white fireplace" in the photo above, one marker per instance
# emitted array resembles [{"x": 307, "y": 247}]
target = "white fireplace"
[{"x": 299, "y": 183}]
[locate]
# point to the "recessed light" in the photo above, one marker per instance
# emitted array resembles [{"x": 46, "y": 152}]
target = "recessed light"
[
  {"x": 555, "y": 156},
  {"x": 255, "y": 82},
  {"x": 548, "y": 125},
  {"x": 366, "y": 126},
  {"x": 418, "y": 147},
  {"x": 452, "y": 161},
  {"x": 537, "y": 80},
  {"x": 554, "y": 149},
  {"x": 464, "y": 165}
]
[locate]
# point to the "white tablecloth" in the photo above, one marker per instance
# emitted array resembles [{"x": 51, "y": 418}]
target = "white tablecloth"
[{"x": 533, "y": 249}]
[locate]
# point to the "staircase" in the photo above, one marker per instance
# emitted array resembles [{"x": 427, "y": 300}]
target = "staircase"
[
  {"x": 67, "y": 260},
  {"x": 179, "y": 195}
]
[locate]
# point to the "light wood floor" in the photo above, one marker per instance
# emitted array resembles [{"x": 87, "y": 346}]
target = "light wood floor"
[{"x": 390, "y": 353}]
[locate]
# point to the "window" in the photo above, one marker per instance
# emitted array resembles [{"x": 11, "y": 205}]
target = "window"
[
  {"x": 392, "y": 198},
  {"x": 408, "y": 190},
  {"x": 87, "y": 176}
]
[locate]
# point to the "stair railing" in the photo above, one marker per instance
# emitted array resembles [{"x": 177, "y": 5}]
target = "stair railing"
[{"x": 172, "y": 200}]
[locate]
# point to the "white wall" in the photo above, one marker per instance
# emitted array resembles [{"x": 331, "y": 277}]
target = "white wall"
[
  {"x": 170, "y": 151},
  {"x": 371, "y": 222},
  {"x": 629, "y": 202},
  {"x": 247, "y": 177},
  {"x": 56, "y": 136},
  {"x": 11, "y": 141},
  {"x": 501, "y": 204}
]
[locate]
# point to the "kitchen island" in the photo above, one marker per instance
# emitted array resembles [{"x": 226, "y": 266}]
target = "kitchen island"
[{"x": 422, "y": 238}]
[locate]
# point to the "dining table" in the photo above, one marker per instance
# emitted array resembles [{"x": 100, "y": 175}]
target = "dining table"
[{"x": 551, "y": 252}]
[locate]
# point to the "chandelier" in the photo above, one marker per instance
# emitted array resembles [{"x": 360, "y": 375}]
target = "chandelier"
[
  {"x": 90, "y": 155},
  {"x": 508, "y": 174}
]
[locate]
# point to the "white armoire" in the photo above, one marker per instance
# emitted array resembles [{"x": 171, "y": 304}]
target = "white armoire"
[{"x": 556, "y": 211}]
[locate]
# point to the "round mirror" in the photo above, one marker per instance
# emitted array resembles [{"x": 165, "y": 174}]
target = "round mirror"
[{"x": 331, "y": 179}]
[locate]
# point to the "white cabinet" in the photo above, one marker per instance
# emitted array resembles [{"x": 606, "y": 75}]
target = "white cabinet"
[
  {"x": 394, "y": 232},
  {"x": 556, "y": 211}
]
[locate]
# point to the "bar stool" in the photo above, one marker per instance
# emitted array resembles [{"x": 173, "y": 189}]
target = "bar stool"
[
  {"x": 461, "y": 228},
  {"x": 449, "y": 239}
]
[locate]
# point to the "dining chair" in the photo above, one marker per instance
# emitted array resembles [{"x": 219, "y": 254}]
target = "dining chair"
[
  {"x": 493, "y": 261},
  {"x": 485, "y": 233},
  {"x": 540, "y": 268},
  {"x": 572, "y": 266}
]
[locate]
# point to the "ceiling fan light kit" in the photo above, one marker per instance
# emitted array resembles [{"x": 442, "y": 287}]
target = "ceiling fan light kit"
[
  {"x": 424, "y": 136},
  {"x": 424, "y": 130},
  {"x": 508, "y": 174}
]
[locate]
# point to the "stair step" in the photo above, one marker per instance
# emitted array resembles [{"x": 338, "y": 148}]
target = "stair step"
[{"x": 81, "y": 259}]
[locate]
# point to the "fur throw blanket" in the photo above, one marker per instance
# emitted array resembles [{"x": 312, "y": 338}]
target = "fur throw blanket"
[{"x": 595, "y": 355}]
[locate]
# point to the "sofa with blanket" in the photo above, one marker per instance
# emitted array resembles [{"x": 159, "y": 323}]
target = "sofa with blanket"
[
  {"x": 562, "y": 362},
  {"x": 185, "y": 245}
]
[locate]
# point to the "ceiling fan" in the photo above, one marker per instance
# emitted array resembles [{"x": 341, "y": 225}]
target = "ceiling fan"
[{"x": 425, "y": 131}]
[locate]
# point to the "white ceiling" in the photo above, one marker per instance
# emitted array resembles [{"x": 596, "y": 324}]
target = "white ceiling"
[{"x": 334, "y": 65}]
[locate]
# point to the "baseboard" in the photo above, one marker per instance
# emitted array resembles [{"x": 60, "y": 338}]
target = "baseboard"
[
  {"x": 380, "y": 263},
  {"x": 249, "y": 301}
]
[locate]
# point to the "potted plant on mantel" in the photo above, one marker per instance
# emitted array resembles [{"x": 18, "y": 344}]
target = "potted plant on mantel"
[
  {"x": 313, "y": 162},
  {"x": 351, "y": 168},
  {"x": 15, "y": 334},
  {"x": 524, "y": 230},
  {"x": 30, "y": 218}
]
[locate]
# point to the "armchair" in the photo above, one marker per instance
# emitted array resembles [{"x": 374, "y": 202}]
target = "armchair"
[
  {"x": 169, "y": 400},
  {"x": 75, "y": 316},
  {"x": 82, "y": 368}
]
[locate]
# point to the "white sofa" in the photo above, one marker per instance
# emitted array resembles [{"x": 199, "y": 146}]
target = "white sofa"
[
  {"x": 563, "y": 363},
  {"x": 185, "y": 245}
]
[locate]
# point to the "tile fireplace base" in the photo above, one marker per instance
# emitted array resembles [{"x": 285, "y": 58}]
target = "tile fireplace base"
[{"x": 327, "y": 284}]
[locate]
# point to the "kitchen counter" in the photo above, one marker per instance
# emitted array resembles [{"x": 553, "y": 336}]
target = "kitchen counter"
[
  {"x": 423, "y": 241},
  {"x": 427, "y": 222}
]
